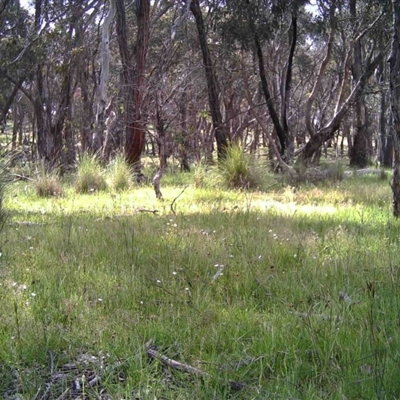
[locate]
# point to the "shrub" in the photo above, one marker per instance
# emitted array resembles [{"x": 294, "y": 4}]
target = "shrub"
[
  {"x": 120, "y": 174},
  {"x": 238, "y": 170},
  {"x": 90, "y": 175}
]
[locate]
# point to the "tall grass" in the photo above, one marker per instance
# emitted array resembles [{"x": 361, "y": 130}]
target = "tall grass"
[
  {"x": 120, "y": 174},
  {"x": 90, "y": 175},
  {"x": 238, "y": 170},
  {"x": 276, "y": 293}
]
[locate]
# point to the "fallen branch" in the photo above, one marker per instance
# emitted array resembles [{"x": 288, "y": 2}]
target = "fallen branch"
[
  {"x": 176, "y": 198},
  {"x": 145, "y": 210},
  {"x": 154, "y": 354},
  {"x": 18, "y": 177}
]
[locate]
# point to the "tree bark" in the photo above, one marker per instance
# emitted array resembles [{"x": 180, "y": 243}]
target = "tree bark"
[
  {"x": 264, "y": 84},
  {"x": 359, "y": 154},
  {"x": 394, "y": 63},
  {"x": 220, "y": 133},
  {"x": 104, "y": 74},
  {"x": 135, "y": 140}
]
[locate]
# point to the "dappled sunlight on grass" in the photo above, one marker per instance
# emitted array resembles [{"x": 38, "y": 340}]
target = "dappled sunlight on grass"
[{"x": 298, "y": 284}]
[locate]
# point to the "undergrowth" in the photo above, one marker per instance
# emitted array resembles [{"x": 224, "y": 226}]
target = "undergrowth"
[{"x": 292, "y": 293}]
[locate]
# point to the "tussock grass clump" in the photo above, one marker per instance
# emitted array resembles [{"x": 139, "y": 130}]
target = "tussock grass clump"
[
  {"x": 120, "y": 174},
  {"x": 238, "y": 170},
  {"x": 48, "y": 184},
  {"x": 206, "y": 176},
  {"x": 90, "y": 176}
]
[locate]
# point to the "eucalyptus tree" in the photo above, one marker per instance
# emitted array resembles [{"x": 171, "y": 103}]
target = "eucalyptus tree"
[
  {"x": 15, "y": 53},
  {"x": 56, "y": 80},
  {"x": 394, "y": 62},
  {"x": 345, "y": 98},
  {"x": 220, "y": 131},
  {"x": 254, "y": 24},
  {"x": 133, "y": 58}
]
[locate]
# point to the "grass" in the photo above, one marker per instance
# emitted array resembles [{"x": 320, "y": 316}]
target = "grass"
[
  {"x": 90, "y": 176},
  {"x": 305, "y": 303}
]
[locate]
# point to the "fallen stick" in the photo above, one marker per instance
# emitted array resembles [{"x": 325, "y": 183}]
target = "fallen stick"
[
  {"x": 176, "y": 198},
  {"x": 145, "y": 210},
  {"x": 156, "y": 355}
]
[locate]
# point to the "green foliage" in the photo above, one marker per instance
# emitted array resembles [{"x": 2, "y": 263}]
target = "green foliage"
[
  {"x": 237, "y": 169},
  {"x": 90, "y": 175},
  {"x": 120, "y": 174}
]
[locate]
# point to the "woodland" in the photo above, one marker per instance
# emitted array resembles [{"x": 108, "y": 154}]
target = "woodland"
[
  {"x": 182, "y": 80},
  {"x": 198, "y": 199}
]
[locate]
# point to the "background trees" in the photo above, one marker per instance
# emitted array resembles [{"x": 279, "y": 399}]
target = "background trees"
[{"x": 278, "y": 76}]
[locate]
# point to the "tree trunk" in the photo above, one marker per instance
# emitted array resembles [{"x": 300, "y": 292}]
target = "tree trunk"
[
  {"x": 394, "y": 63},
  {"x": 264, "y": 84},
  {"x": 287, "y": 88},
  {"x": 105, "y": 68},
  {"x": 136, "y": 130},
  {"x": 359, "y": 154},
  {"x": 221, "y": 136}
]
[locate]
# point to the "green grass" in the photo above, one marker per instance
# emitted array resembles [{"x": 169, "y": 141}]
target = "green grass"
[{"x": 307, "y": 305}]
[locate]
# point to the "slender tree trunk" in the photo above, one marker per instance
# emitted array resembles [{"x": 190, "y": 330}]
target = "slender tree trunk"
[
  {"x": 394, "y": 63},
  {"x": 264, "y": 84},
  {"x": 136, "y": 130},
  {"x": 359, "y": 154},
  {"x": 287, "y": 88},
  {"x": 221, "y": 135}
]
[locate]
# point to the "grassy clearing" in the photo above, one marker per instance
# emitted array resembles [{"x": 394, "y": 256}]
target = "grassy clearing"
[{"x": 293, "y": 293}]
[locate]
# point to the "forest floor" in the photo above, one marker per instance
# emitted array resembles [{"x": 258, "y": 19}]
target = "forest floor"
[{"x": 289, "y": 293}]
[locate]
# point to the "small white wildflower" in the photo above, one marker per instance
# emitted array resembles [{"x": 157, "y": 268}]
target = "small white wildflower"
[
  {"x": 295, "y": 255},
  {"x": 175, "y": 225},
  {"x": 174, "y": 273},
  {"x": 33, "y": 294},
  {"x": 270, "y": 231},
  {"x": 99, "y": 300},
  {"x": 23, "y": 287},
  {"x": 30, "y": 248},
  {"x": 158, "y": 282},
  {"x": 186, "y": 289},
  {"x": 141, "y": 302}
]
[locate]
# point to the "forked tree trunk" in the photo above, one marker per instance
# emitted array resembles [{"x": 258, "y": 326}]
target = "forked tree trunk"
[
  {"x": 221, "y": 135},
  {"x": 328, "y": 131},
  {"x": 394, "y": 62}
]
